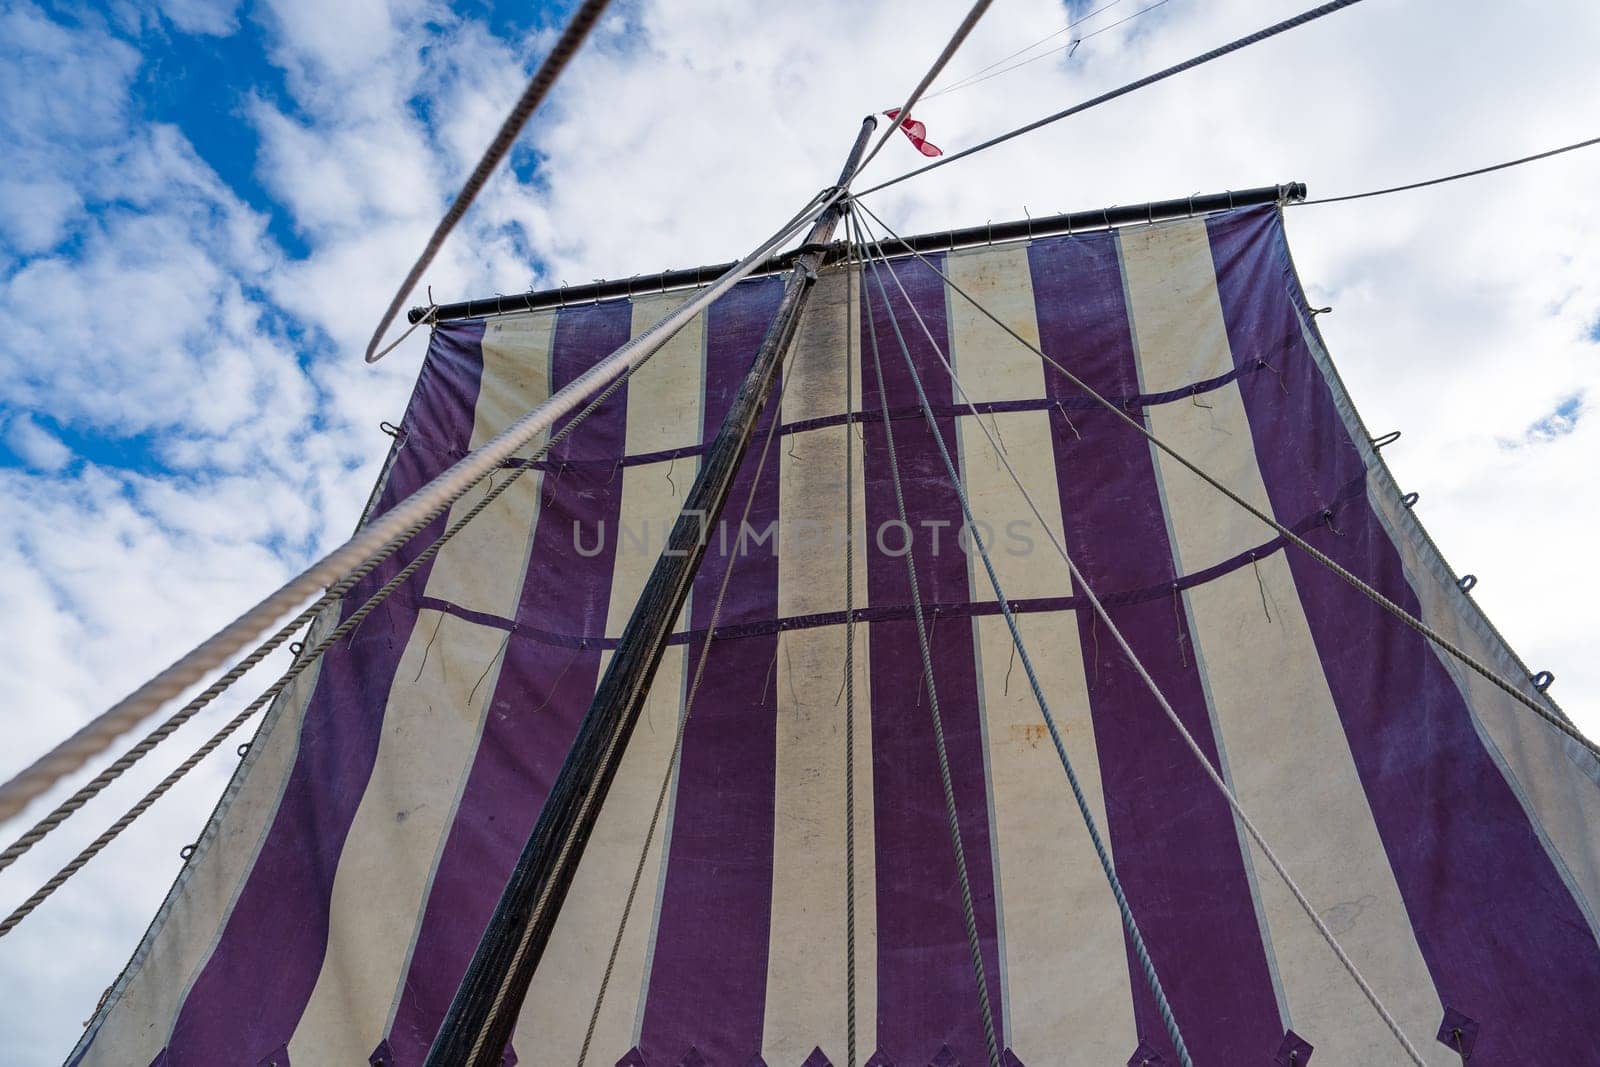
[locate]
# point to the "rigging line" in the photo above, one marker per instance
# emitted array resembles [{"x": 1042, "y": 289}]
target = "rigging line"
[
  {"x": 1072, "y": 44},
  {"x": 1150, "y": 79},
  {"x": 851, "y": 341},
  {"x": 93, "y": 787},
  {"x": 301, "y": 664},
  {"x": 533, "y": 95},
  {"x": 1163, "y": 1008},
  {"x": 951, "y": 815},
  {"x": 683, "y": 720},
  {"x": 976, "y": 75},
  {"x": 904, "y": 114},
  {"x": 1283, "y": 531},
  {"x": 1079, "y": 582},
  {"x": 411, "y": 514},
  {"x": 1453, "y": 177}
]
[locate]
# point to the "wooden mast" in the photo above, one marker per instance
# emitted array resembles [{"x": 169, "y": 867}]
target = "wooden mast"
[{"x": 478, "y": 1025}]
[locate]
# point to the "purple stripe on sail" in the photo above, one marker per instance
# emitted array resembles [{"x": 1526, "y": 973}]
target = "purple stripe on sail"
[
  {"x": 542, "y": 693},
  {"x": 708, "y": 972},
  {"x": 251, "y": 992},
  {"x": 1502, "y": 936},
  {"x": 927, "y": 992},
  {"x": 1172, "y": 834}
]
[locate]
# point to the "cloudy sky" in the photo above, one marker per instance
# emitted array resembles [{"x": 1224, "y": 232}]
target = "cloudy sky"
[{"x": 204, "y": 204}]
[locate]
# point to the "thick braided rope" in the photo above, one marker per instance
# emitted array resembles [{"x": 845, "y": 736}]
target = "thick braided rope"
[
  {"x": 415, "y": 510},
  {"x": 1283, "y": 531},
  {"x": 302, "y": 664},
  {"x": 98, "y": 783},
  {"x": 533, "y": 95},
  {"x": 951, "y": 815},
  {"x": 1163, "y": 1008},
  {"x": 677, "y": 740},
  {"x": 1183, "y": 731}
]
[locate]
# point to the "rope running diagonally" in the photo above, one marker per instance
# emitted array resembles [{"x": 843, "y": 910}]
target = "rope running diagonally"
[
  {"x": 1188, "y": 64},
  {"x": 416, "y": 511},
  {"x": 422, "y": 506},
  {"x": 1452, "y": 177},
  {"x": 828, "y": 197},
  {"x": 1163, "y": 1007},
  {"x": 1283, "y": 531},
  {"x": 978, "y": 74},
  {"x": 301, "y": 664},
  {"x": 1070, "y": 48},
  {"x": 533, "y": 95},
  {"x": 951, "y": 813},
  {"x": 904, "y": 114},
  {"x": 683, "y": 723},
  {"x": 1079, "y": 582}
]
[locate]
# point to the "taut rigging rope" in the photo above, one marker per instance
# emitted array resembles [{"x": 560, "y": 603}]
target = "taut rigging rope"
[
  {"x": 300, "y": 666},
  {"x": 683, "y": 724},
  {"x": 1188, "y": 64},
  {"x": 402, "y": 521},
  {"x": 952, "y": 815},
  {"x": 1452, "y": 177},
  {"x": 533, "y": 95},
  {"x": 1079, "y": 582},
  {"x": 1070, "y": 48},
  {"x": 977, "y": 75},
  {"x": 1283, "y": 531},
  {"x": 1163, "y": 1007}
]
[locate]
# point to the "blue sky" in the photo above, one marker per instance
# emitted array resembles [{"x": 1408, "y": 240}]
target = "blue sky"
[{"x": 205, "y": 203}]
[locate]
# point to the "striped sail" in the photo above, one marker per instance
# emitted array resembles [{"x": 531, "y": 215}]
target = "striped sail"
[{"x": 1444, "y": 833}]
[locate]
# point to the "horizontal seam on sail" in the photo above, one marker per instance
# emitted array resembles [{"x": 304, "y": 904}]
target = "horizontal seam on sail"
[
  {"x": 1351, "y": 491},
  {"x": 1254, "y": 365}
]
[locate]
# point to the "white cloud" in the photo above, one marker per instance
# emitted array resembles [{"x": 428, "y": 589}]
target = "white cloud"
[
  {"x": 143, "y": 300},
  {"x": 40, "y": 448}
]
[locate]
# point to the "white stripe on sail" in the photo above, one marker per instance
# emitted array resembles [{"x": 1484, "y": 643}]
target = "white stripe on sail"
[
  {"x": 1058, "y": 919},
  {"x": 431, "y": 728},
  {"x": 138, "y": 1025},
  {"x": 1281, "y": 738},
  {"x": 806, "y": 975},
  {"x": 664, "y": 412}
]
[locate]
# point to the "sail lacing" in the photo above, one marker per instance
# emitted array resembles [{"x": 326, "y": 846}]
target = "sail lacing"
[
  {"x": 1507, "y": 686},
  {"x": 952, "y": 815},
  {"x": 1166, "y": 706},
  {"x": 1163, "y": 1007}
]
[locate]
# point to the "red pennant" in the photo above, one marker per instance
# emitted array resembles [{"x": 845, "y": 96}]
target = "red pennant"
[{"x": 917, "y": 132}]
